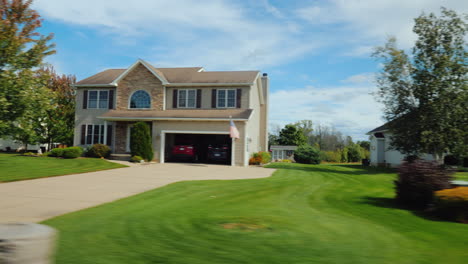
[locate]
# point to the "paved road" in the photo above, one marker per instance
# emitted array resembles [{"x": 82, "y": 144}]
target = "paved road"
[{"x": 40, "y": 199}]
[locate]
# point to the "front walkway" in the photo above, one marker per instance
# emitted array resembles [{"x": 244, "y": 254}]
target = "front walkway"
[{"x": 40, "y": 199}]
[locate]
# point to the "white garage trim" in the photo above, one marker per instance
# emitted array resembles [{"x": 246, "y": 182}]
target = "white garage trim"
[{"x": 163, "y": 140}]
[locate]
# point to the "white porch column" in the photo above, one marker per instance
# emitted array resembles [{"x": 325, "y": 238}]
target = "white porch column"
[
  {"x": 105, "y": 133},
  {"x": 233, "y": 152}
]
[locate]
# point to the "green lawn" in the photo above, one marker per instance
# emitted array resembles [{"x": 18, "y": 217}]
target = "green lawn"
[
  {"x": 302, "y": 214},
  {"x": 14, "y": 167},
  {"x": 462, "y": 176}
]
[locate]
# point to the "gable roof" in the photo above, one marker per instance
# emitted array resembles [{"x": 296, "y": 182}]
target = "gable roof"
[
  {"x": 148, "y": 66},
  {"x": 104, "y": 77},
  {"x": 381, "y": 128},
  {"x": 173, "y": 76}
]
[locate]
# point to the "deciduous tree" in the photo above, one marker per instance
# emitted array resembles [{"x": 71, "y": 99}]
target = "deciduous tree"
[
  {"x": 22, "y": 49},
  {"x": 59, "y": 122},
  {"x": 426, "y": 94}
]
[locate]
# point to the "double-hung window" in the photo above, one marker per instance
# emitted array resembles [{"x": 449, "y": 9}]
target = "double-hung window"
[
  {"x": 226, "y": 98},
  {"x": 98, "y": 99},
  {"x": 94, "y": 134},
  {"x": 187, "y": 98}
]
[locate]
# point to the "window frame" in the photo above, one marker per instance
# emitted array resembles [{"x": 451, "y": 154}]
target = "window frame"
[
  {"x": 100, "y": 136},
  {"x": 98, "y": 99},
  {"x": 133, "y": 93},
  {"x": 187, "y": 98},
  {"x": 226, "y": 99}
]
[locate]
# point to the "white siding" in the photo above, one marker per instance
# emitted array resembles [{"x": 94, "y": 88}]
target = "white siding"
[{"x": 393, "y": 158}]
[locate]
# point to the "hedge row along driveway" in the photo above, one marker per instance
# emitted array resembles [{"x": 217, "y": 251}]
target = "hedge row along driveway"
[{"x": 302, "y": 214}]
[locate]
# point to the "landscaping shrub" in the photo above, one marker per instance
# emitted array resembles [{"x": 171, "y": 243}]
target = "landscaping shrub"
[
  {"x": 260, "y": 157},
  {"x": 452, "y": 204},
  {"x": 344, "y": 155},
  {"x": 354, "y": 153},
  {"x": 56, "y": 152},
  {"x": 418, "y": 180},
  {"x": 137, "y": 159},
  {"x": 286, "y": 161},
  {"x": 140, "y": 142},
  {"x": 411, "y": 158},
  {"x": 72, "y": 152},
  {"x": 451, "y": 160},
  {"x": 99, "y": 151},
  {"x": 365, "y": 153},
  {"x": 266, "y": 157},
  {"x": 307, "y": 154},
  {"x": 255, "y": 160},
  {"x": 332, "y": 156}
]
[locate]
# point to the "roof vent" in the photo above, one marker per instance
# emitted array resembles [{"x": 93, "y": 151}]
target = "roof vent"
[{"x": 265, "y": 74}]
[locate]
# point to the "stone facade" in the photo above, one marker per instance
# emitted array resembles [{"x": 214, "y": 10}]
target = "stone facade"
[
  {"x": 120, "y": 144},
  {"x": 140, "y": 78}
]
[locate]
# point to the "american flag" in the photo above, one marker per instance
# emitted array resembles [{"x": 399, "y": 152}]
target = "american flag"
[{"x": 233, "y": 132}]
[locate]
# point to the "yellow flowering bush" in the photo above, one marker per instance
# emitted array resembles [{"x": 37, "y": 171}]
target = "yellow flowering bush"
[{"x": 453, "y": 203}]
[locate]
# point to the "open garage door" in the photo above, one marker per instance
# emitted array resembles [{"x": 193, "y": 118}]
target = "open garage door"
[{"x": 198, "y": 148}]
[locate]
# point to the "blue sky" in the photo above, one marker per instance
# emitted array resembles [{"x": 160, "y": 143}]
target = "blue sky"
[{"x": 317, "y": 53}]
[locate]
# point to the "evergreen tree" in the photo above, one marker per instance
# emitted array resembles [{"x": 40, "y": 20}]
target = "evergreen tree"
[
  {"x": 140, "y": 141},
  {"x": 290, "y": 135}
]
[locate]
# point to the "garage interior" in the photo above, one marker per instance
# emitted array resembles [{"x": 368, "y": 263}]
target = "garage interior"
[{"x": 201, "y": 144}]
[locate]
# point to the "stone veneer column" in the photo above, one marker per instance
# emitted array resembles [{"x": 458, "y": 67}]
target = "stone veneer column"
[{"x": 120, "y": 137}]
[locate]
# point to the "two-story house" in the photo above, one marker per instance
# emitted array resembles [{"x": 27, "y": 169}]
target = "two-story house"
[{"x": 181, "y": 105}]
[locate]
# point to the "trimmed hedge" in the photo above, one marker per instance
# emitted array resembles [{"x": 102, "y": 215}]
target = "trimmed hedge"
[
  {"x": 67, "y": 153},
  {"x": 307, "y": 154},
  {"x": 56, "y": 152},
  {"x": 72, "y": 152},
  {"x": 452, "y": 204},
  {"x": 136, "y": 159},
  {"x": 417, "y": 181},
  {"x": 99, "y": 151}
]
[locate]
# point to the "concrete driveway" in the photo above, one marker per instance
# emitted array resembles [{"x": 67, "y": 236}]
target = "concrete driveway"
[{"x": 40, "y": 199}]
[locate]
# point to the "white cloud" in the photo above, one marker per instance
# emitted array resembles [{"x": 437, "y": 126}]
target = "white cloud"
[
  {"x": 365, "y": 21},
  {"x": 218, "y": 34},
  {"x": 352, "y": 110},
  {"x": 272, "y": 9},
  {"x": 362, "y": 78}
]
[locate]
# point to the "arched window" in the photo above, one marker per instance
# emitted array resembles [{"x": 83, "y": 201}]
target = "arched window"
[{"x": 140, "y": 99}]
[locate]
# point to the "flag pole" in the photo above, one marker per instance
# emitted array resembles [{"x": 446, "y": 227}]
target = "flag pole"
[
  {"x": 233, "y": 133},
  {"x": 233, "y": 148}
]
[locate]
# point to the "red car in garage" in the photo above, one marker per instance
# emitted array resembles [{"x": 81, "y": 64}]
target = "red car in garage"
[{"x": 184, "y": 152}]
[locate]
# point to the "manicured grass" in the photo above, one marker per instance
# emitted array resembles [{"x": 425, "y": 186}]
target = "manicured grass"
[
  {"x": 14, "y": 167},
  {"x": 461, "y": 176},
  {"x": 302, "y": 214}
]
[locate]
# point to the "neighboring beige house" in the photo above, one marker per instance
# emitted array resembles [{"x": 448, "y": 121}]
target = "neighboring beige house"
[
  {"x": 380, "y": 152},
  {"x": 182, "y": 105}
]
